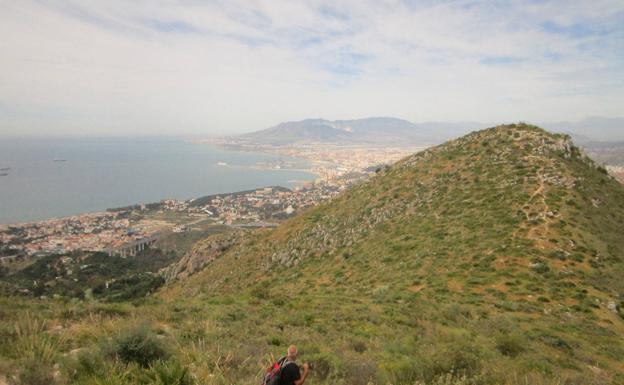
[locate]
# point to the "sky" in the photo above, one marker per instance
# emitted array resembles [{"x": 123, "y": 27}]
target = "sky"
[{"x": 156, "y": 67}]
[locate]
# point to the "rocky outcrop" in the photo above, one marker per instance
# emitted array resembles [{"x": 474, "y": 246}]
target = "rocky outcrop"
[{"x": 201, "y": 255}]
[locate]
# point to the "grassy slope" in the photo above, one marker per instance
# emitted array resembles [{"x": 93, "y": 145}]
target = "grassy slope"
[
  {"x": 493, "y": 256},
  {"x": 507, "y": 235}
]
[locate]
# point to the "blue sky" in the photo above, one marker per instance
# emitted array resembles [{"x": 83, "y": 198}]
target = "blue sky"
[{"x": 214, "y": 67}]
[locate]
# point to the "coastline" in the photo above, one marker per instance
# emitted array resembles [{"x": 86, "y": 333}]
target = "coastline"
[
  {"x": 334, "y": 169},
  {"x": 101, "y": 175},
  {"x": 259, "y": 151}
]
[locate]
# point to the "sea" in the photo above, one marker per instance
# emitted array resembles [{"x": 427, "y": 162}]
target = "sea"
[{"x": 49, "y": 178}]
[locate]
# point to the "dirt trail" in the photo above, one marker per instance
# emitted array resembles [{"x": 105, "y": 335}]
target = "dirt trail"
[{"x": 537, "y": 231}]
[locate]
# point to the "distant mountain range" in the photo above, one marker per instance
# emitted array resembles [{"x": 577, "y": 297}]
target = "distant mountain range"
[
  {"x": 592, "y": 129},
  {"x": 359, "y": 131},
  {"x": 392, "y": 131}
]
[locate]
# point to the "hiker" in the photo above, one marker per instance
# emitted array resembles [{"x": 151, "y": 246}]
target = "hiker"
[
  {"x": 290, "y": 373},
  {"x": 286, "y": 371}
]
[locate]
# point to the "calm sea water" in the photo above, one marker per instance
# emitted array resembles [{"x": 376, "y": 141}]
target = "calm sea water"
[{"x": 104, "y": 173}]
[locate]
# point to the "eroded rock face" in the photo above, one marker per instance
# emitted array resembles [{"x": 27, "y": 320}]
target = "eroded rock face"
[{"x": 201, "y": 255}]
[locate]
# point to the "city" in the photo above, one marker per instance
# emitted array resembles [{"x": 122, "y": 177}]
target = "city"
[{"x": 112, "y": 230}]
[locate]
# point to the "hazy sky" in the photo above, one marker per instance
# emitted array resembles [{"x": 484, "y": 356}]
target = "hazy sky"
[{"x": 213, "y": 67}]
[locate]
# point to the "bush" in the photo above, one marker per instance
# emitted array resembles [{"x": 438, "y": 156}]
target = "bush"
[
  {"x": 359, "y": 371},
  {"x": 275, "y": 341},
  {"x": 34, "y": 343},
  {"x": 85, "y": 364},
  {"x": 260, "y": 292},
  {"x": 323, "y": 365},
  {"x": 456, "y": 356},
  {"x": 510, "y": 344},
  {"x": 167, "y": 373},
  {"x": 447, "y": 379},
  {"x": 35, "y": 373},
  {"x": 359, "y": 346},
  {"x": 138, "y": 345}
]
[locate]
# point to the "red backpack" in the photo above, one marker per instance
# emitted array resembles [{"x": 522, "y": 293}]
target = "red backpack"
[{"x": 273, "y": 372}]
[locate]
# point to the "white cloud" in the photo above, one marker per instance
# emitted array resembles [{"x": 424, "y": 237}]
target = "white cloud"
[{"x": 148, "y": 67}]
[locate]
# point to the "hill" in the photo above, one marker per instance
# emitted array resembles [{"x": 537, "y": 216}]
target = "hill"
[
  {"x": 494, "y": 255},
  {"x": 495, "y": 258}
]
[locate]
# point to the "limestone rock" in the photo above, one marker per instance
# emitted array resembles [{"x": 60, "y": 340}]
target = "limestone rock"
[{"x": 201, "y": 255}]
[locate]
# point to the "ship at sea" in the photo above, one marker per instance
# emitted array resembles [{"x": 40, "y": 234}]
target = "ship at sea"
[
  {"x": 5, "y": 168},
  {"x": 60, "y": 160},
  {"x": 221, "y": 164}
]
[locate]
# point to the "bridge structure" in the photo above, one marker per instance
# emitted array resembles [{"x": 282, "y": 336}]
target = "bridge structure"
[
  {"x": 132, "y": 248},
  {"x": 255, "y": 225}
]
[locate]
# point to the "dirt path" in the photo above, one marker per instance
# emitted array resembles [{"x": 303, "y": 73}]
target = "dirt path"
[{"x": 537, "y": 232}]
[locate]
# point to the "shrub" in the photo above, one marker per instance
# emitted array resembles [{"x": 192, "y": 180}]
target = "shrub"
[
  {"x": 359, "y": 346},
  {"x": 555, "y": 341},
  {"x": 323, "y": 365},
  {"x": 510, "y": 344},
  {"x": 457, "y": 356},
  {"x": 456, "y": 313},
  {"x": 35, "y": 373},
  {"x": 275, "y": 341},
  {"x": 34, "y": 343},
  {"x": 84, "y": 364},
  {"x": 167, "y": 373},
  {"x": 379, "y": 293},
  {"x": 260, "y": 292},
  {"x": 138, "y": 345},
  {"x": 359, "y": 372},
  {"x": 400, "y": 370},
  {"x": 447, "y": 379}
]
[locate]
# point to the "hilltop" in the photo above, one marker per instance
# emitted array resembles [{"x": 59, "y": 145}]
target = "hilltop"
[
  {"x": 498, "y": 249},
  {"x": 495, "y": 258}
]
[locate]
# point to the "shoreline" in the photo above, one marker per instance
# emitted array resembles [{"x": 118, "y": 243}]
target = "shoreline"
[
  {"x": 261, "y": 176},
  {"x": 322, "y": 170}
]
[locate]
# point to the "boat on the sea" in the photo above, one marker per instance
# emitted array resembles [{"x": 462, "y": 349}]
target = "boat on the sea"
[
  {"x": 60, "y": 160},
  {"x": 5, "y": 168},
  {"x": 4, "y": 173},
  {"x": 221, "y": 164}
]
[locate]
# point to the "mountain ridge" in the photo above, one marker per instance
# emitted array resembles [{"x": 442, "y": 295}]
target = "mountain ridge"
[
  {"x": 395, "y": 131},
  {"x": 373, "y": 130},
  {"x": 483, "y": 246}
]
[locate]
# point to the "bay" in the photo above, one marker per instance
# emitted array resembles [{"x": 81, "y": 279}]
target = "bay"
[{"x": 59, "y": 177}]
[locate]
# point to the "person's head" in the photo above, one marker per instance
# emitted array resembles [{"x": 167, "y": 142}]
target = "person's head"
[{"x": 292, "y": 353}]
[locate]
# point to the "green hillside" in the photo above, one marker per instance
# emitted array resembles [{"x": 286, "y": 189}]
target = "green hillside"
[{"x": 492, "y": 259}]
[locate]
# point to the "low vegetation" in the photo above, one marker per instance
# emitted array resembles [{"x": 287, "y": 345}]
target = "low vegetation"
[
  {"x": 88, "y": 275},
  {"x": 492, "y": 259}
]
